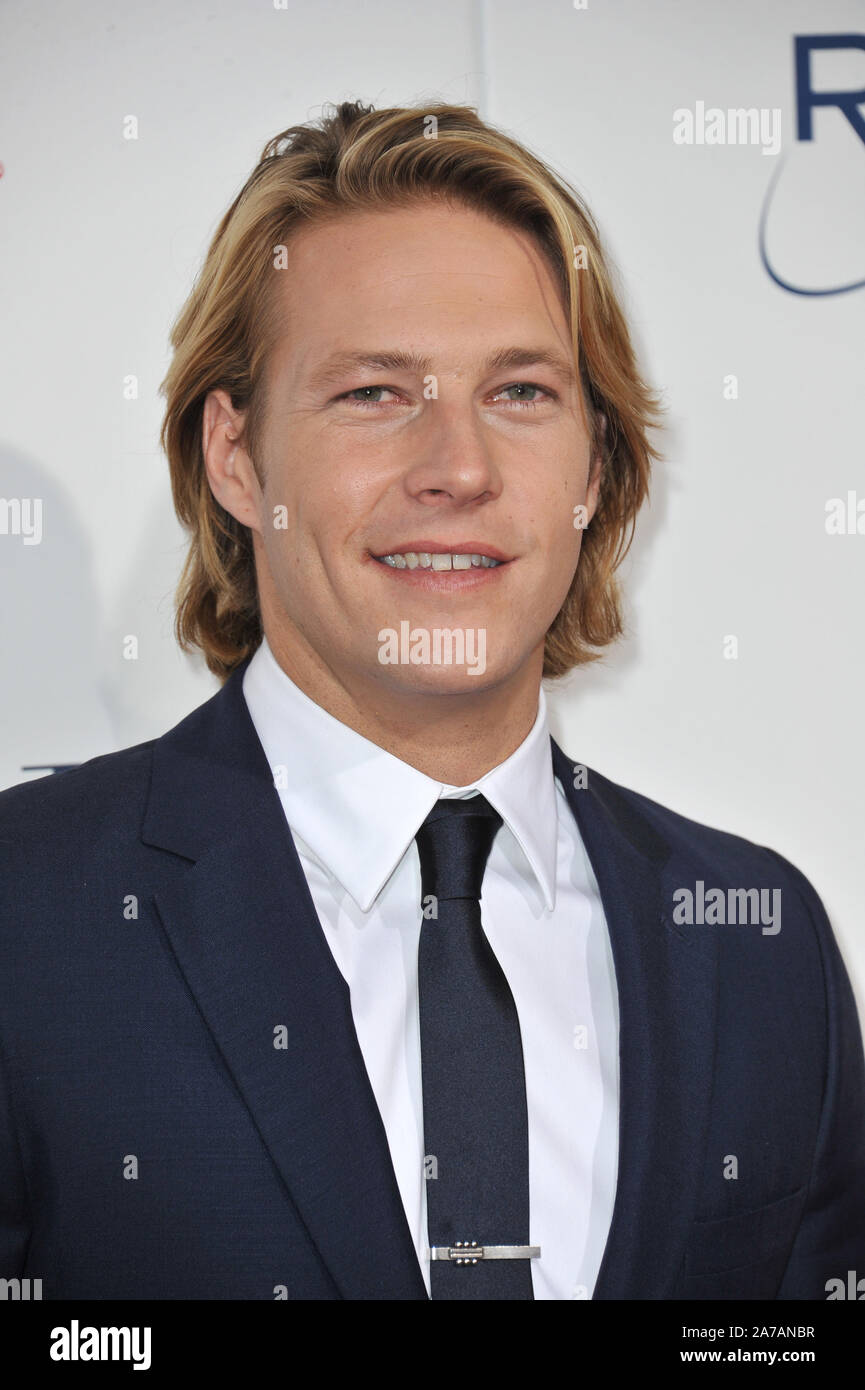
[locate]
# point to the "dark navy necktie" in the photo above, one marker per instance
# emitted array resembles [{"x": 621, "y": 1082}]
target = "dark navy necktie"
[{"x": 476, "y": 1140}]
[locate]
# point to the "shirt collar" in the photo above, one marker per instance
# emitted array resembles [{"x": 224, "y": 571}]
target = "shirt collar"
[{"x": 358, "y": 808}]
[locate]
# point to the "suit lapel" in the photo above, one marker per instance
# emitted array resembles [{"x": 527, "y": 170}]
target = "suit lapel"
[
  {"x": 666, "y": 979},
  {"x": 243, "y": 927}
]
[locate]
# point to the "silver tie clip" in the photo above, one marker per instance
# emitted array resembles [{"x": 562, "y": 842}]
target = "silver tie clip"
[{"x": 468, "y": 1252}]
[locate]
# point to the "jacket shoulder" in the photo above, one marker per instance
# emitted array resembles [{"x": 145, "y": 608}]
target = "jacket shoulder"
[
  {"x": 102, "y": 800},
  {"x": 106, "y": 788},
  {"x": 688, "y": 839}
]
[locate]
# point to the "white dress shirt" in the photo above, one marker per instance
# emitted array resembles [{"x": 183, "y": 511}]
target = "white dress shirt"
[{"x": 353, "y": 810}]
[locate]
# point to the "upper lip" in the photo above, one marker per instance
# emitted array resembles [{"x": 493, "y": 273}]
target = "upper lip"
[{"x": 444, "y": 548}]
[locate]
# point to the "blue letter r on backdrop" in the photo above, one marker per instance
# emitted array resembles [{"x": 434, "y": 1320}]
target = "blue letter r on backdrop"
[{"x": 807, "y": 99}]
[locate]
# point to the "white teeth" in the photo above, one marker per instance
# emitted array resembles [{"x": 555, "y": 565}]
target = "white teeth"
[{"x": 424, "y": 560}]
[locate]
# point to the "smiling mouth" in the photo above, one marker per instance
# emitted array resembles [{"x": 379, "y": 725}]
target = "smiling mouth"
[{"x": 439, "y": 561}]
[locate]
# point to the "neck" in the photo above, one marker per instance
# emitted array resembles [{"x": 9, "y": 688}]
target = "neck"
[{"x": 453, "y": 738}]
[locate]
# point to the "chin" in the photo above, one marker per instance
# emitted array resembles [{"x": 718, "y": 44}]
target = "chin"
[
  {"x": 441, "y": 680},
  {"x": 465, "y": 678}
]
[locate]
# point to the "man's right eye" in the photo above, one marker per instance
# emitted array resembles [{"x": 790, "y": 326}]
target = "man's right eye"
[{"x": 360, "y": 395}]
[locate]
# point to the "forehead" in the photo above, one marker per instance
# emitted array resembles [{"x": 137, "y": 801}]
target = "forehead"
[{"x": 424, "y": 275}]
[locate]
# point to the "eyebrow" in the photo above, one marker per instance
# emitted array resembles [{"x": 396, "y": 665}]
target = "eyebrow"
[{"x": 335, "y": 368}]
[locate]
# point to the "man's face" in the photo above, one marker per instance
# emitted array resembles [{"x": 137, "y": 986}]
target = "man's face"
[{"x": 442, "y": 449}]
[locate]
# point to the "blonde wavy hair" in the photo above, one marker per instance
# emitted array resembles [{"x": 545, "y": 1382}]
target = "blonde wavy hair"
[{"x": 358, "y": 158}]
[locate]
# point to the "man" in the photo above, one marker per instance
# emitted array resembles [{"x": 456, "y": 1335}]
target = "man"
[{"x": 354, "y": 985}]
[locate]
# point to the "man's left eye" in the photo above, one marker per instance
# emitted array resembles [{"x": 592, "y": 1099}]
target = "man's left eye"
[{"x": 527, "y": 386}]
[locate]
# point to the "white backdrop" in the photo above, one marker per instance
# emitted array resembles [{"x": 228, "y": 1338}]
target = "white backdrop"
[{"x": 100, "y": 238}]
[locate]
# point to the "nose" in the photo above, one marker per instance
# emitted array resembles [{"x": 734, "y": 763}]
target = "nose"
[{"x": 454, "y": 460}]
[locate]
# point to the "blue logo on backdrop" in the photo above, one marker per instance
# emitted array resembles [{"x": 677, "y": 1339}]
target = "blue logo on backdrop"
[{"x": 848, "y": 103}]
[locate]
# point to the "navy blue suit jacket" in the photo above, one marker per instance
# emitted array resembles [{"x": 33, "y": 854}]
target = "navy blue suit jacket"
[{"x": 156, "y": 929}]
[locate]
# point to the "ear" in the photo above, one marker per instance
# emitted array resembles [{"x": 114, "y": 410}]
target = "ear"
[
  {"x": 593, "y": 486},
  {"x": 229, "y": 468}
]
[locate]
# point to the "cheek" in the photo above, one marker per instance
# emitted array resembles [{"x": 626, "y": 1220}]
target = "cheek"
[
  {"x": 566, "y": 522},
  {"x": 565, "y": 540},
  {"x": 291, "y": 515},
  {"x": 310, "y": 547}
]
